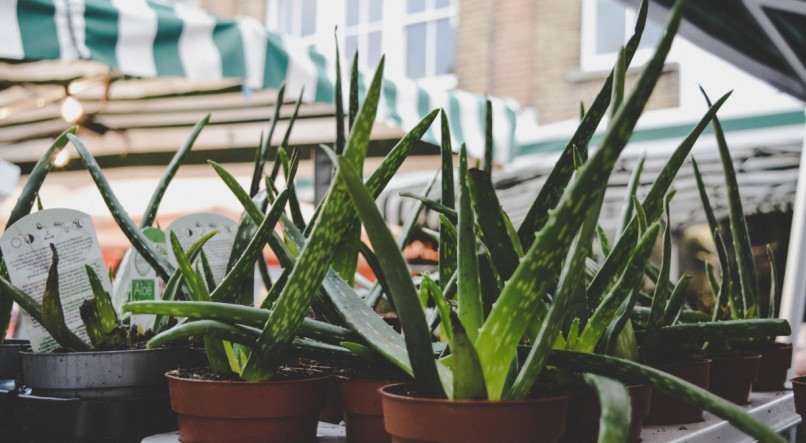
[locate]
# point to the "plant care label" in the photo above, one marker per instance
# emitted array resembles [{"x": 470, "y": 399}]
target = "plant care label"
[
  {"x": 136, "y": 280},
  {"x": 26, "y": 251},
  {"x": 217, "y": 249}
]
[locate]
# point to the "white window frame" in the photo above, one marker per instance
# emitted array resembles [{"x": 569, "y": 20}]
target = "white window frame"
[
  {"x": 590, "y": 60},
  {"x": 333, "y": 13}
]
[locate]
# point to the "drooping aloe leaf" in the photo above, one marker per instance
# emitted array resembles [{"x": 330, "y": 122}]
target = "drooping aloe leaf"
[
  {"x": 488, "y": 138},
  {"x": 470, "y": 308},
  {"x": 263, "y": 152},
  {"x": 615, "y": 407},
  {"x": 521, "y": 298},
  {"x": 666, "y": 384},
  {"x": 179, "y": 157},
  {"x": 52, "y": 312},
  {"x": 635, "y": 182},
  {"x": 396, "y": 271},
  {"x": 740, "y": 235},
  {"x": 675, "y": 304},
  {"x": 143, "y": 245},
  {"x": 659, "y": 299},
  {"x": 490, "y": 216},
  {"x": 434, "y": 205},
  {"x": 468, "y": 378},
  {"x": 629, "y": 282},
  {"x": 558, "y": 179},
  {"x": 723, "y": 331},
  {"x": 209, "y": 329},
  {"x": 317, "y": 254},
  {"x": 652, "y": 204}
]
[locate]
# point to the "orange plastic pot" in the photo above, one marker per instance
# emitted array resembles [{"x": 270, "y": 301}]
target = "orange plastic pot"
[
  {"x": 413, "y": 419},
  {"x": 363, "y": 411},
  {"x": 216, "y": 411}
]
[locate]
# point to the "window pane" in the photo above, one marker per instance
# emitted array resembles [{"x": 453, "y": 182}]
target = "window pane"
[
  {"x": 442, "y": 4},
  {"x": 445, "y": 47},
  {"x": 285, "y": 13},
  {"x": 415, "y": 6},
  {"x": 373, "y": 49},
  {"x": 352, "y": 12},
  {"x": 610, "y": 25},
  {"x": 415, "y": 50},
  {"x": 375, "y": 10},
  {"x": 652, "y": 35},
  {"x": 308, "y": 17},
  {"x": 350, "y": 46}
]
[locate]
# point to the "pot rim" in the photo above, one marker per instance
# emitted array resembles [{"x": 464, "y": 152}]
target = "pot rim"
[
  {"x": 801, "y": 379},
  {"x": 737, "y": 357},
  {"x": 704, "y": 361},
  {"x": 93, "y": 353},
  {"x": 243, "y": 383},
  {"x": 407, "y": 398}
]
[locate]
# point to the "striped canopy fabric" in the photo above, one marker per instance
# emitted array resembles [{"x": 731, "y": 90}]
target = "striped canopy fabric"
[{"x": 148, "y": 38}]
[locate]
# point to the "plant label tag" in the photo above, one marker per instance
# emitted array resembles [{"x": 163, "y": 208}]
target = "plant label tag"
[
  {"x": 26, "y": 251},
  {"x": 191, "y": 227},
  {"x": 138, "y": 281}
]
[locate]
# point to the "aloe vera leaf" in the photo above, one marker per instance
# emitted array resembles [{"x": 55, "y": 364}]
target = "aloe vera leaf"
[
  {"x": 39, "y": 205},
  {"x": 573, "y": 334},
  {"x": 103, "y": 303},
  {"x": 26, "y": 302},
  {"x": 738, "y": 224},
  {"x": 619, "y": 74},
  {"x": 667, "y": 384},
  {"x": 468, "y": 377},
  {"x": 615, "y": 407},
  {"x": 434, "y": 205},
  {"x": 92, "y": 324},
  {"x": 635, "y": 182},
  {"x": 396, "y": 271},
  {"x": 352, "y": 109},
  {"x": 209, "y": 329},
  {"x": 226, "y": 290},
  {"x": 279, "y": 159},
  {"x": 675, "y": 303},
  {"x": 488, "y": 138},
  {"x": 469, "y": 286},
  {"x": 641, "y": 314},
  {"x": 640, "y": 216},
  {"x": 447, "y": 240},
  {"x": 170, "y": 171},
  {"x": 443, "y": 307},
  {"x": 775, "y": 286},
  {"x": 628, "y": 283},
  {"x": 603, "y": 242},
  {"x": 339, "y": 100},
  {"x": 100, "y": 318},
  {"x": 293, "y": 200},
  {"x": 232, "y": 313},
  {"x": 620, "y": 333},
  {"x": 558, "y": 178},
  {"x": 521, "y": 298},
  {"x": 652, "y": 204},
  {"x": 215, "y": 349},
  {"x": 209, "y": 280},
  {"x": 729, "y": 330},
  {"x": 447, "y": 196},
  {"x": 570, "y": 282},
  {"x": 317, "y": 254},
  {"x": 659, "y": 296},
  {"x": 411, "y": 221},
  {"x": 725, "y": 288},
  {"x": 263, "y": 152},
  {"x": 292, "y": 120},
  {"x": 142, "y": 244},
  {"x": 493, "y": 225},
  {"x": 52, "y": 313}
]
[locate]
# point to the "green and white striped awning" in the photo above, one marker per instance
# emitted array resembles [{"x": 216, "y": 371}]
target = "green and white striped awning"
[{"x": 147, "y": 38}]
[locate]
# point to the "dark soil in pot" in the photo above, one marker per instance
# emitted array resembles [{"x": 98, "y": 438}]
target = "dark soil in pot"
[
  {"x": 583, "y": 407},
  {"x": 414, "y": 419},
  {"x": 286, "y": 410},
  {"x": 363, "y": 411},
  {"x": 776, "y": 358},
  {"x": 669, "y": 410},
  {"x": 732, "y": 377}
]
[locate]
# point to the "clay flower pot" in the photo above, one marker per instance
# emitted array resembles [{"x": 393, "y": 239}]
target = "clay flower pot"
[
  {"x": 275, "y": 411},
  {"x": 584, "y": 408},
  {"x": 775, "y": 362},
  {"x": 415, "y": 419},
  {"x": 732, "y": 377},
  {"x": 333, "y": 411},
  {"x": 799, "y": 387},
  {"x": 666, "y": 410},
  {"x": 363, "y": 412}
]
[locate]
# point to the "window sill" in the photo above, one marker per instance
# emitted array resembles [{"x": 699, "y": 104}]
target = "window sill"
[{"x": 582, "y": 75}]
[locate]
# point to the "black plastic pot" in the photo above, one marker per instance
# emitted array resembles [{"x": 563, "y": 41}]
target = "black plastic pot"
[{"x": 10, "y": 357}]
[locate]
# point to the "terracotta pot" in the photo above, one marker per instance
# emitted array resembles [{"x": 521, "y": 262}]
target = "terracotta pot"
[
  {"x": 775, "y": 362},
  {"x": 413, "y": 419},
  {"x": 733, "y": 377},
  {"x": 584, "y": 408},
  {"x": 666, "y": 410},
  {"x": 215, "y": 411},
  {"x": 333, "y": 412},
  {"x": 363, "y": 412},
  {"x": 799, "y": 387}
]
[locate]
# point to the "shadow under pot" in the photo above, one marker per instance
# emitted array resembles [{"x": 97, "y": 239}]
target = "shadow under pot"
[
  {"x": 668, "y": 410},
  {"x": 363, "y": 411},
  {"x": 416, "y": 419},
  {"x": 732, "y": 377},
  {"x": 273, "y": 411},
  {"x": 583, "y": 406},
  {"x": 776, "y": 358},
  {"x": 799, "y": 388}
]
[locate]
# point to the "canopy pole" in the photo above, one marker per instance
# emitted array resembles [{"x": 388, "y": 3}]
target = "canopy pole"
[{"x": 793, "y": 296}]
